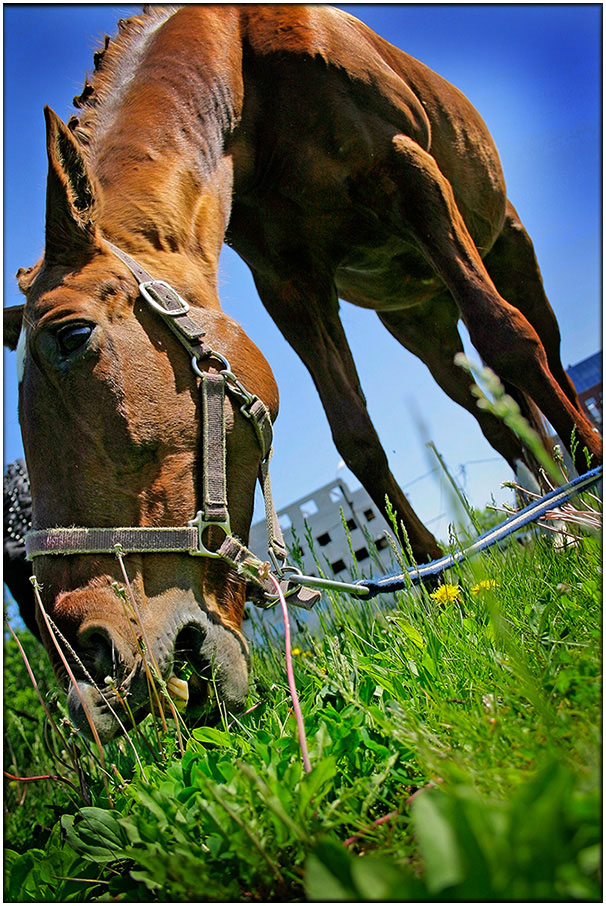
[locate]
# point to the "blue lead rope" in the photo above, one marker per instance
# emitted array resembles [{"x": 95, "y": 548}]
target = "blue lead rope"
[
  {"x": 369, "y": 588},
  {"x": 416, "y": 574}
]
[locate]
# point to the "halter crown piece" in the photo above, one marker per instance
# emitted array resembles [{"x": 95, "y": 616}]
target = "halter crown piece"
[{"x": 175, "y": 313}]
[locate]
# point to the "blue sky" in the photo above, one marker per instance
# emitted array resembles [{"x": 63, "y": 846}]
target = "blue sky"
[{"x": 532, "y": 71}]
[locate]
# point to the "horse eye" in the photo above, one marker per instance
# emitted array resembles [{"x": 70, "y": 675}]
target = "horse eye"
[{"x": 73, "y": 337}]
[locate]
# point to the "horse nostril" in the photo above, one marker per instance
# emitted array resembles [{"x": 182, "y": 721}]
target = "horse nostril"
[{"x": 98, "y": 653}]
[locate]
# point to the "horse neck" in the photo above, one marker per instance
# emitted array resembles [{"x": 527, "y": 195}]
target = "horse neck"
[
  {"x": 170, "y": 223},
  {"x": 158, "y": 145}
]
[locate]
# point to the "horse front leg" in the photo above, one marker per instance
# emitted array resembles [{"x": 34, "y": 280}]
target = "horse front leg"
[
  {"x": 307, "y": 313},
  {"x": 423, "y": 210}
]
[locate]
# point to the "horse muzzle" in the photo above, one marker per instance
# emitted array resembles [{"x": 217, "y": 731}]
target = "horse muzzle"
[{"x": 122, "y": 686}]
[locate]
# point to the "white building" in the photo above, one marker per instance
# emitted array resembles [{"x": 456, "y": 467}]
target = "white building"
[{"x": 319, "y": 514}]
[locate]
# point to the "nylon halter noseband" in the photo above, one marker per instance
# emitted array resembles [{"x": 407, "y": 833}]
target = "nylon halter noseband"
[{"x": 174, "y": 312}]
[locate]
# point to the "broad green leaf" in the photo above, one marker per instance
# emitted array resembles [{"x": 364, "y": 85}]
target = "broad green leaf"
[
  {"x": 94, "y": 839},
  {"x": 376, "y": 747},
  {"x": 328, "y": 874},
  {"x": 313, "y": 782},
  {"x": 182, "y": 794},
  {"x": 444, "y": 866},
  {"x": 155, "y": 802},
  {"x": 227, "y": 770},
  {"x": 378, "y": 879},
  {"x": 22, "y": 883},
  {"x": 213, "y": 737},
  {"x": 102, "y": 822},
  {"x": 413, "y": 634},
  {"x": 144, "y": 878},
  {"x": 10, "y": 857}
]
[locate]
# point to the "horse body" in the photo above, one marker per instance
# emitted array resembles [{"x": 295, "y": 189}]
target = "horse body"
[{"x": 336, "y": 166}]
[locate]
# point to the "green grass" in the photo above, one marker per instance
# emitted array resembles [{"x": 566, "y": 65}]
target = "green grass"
[{"x": 489, "y": 708}]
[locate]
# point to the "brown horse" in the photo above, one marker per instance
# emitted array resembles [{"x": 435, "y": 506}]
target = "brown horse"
[{"x": 337, "y": 167}]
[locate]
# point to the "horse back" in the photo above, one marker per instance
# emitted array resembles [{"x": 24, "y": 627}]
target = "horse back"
[
  {"x": 351, "y": 91},
  {"x": 436, "y": 111},
  {"x": 315, "y": 74}
]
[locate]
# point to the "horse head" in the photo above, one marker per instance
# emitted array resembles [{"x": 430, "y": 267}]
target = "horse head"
[{"x": 112, "y": 424}]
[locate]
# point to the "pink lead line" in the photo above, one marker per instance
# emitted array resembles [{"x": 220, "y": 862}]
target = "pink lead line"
[
  {"x": 301, "y": 728},
  {"x": 291, "y": 676}
]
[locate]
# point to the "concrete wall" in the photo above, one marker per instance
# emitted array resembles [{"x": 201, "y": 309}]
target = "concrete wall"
[{"x": 320, "y": 510}]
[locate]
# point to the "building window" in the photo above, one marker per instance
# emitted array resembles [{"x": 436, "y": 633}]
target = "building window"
[
  {"x": 369, "y": 515},
  {"x": 362, "y": 554},
  {"x": 338, "y": 566},
  {"x": 351, "y": 525},
  {"x": 324, "y": 539},
  {"x": 381, "y": 543},
  {"x": 309, "y": 508},
  {"x": 592, "y": 408},
  {"x": 285, "y": 521},
  {"x": 335, "y": 494}
]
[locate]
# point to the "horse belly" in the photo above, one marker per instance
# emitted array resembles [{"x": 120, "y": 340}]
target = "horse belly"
[{"x": 392, "y": 277}]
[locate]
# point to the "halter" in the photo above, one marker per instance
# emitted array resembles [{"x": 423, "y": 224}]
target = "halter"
[{"x": 173, "y": 310}]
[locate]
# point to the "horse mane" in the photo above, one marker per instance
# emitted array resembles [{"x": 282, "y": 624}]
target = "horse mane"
[{"x": 114, "y": 62}]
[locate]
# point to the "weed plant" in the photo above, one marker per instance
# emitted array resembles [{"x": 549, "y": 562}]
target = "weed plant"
[{"x": 455, "y": 742}]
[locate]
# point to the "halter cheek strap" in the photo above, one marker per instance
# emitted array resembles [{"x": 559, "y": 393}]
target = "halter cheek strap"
[{"x": 190, "y": 539}]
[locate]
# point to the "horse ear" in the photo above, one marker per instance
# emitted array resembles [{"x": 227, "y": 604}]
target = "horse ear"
[
  {"x": 70, "y": 196},
  {"x": 13, "y": 318},
  {"x": 26, "y": 276}
]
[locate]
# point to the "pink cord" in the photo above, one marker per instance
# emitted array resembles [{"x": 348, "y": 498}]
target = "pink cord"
[
  {"x": 291, "y": 677},
  {"x": 376, "y": 823},
  {"x": 248, "y": 711},
  {"x": 394, "y": 814}
]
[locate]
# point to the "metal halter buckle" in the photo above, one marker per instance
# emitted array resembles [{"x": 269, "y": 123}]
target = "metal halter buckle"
[
  {"x": 146, "y": 290},
  {"x": 200, "y": 523}
]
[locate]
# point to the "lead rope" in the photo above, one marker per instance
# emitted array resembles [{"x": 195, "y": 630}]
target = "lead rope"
[
  {"x": 415, "y": 575},
  {"x": 291, "y": 676}
]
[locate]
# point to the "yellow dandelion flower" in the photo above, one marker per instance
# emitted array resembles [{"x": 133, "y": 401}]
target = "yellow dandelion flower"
[
  {"x": 484, "y": 585},
  {"x": 446, "y": 594},
  {"x": 296, "y": 651}
]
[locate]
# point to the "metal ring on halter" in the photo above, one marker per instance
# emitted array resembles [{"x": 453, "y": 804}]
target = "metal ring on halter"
[
  {"x": 212, "y": 355},
  {"x": 273, "y": 596},
  {"x": 201, "y": 524},
  {"x": 296, "y": 572}
]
